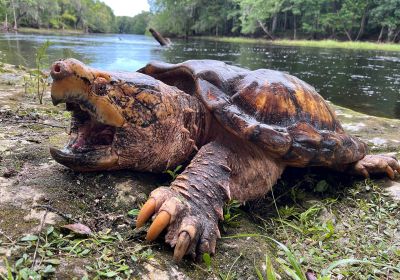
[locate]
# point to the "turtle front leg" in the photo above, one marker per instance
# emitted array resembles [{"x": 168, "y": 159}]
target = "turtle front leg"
[
  {"x": 376, "y": 164},
  {"x": 191, "y": 207}
]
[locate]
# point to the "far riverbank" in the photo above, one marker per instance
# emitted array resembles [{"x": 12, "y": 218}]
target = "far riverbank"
[
  {"x": 332, "y": 44},
  {"x": 311, "y": 43},
  {"x": 49, "y": 31}
]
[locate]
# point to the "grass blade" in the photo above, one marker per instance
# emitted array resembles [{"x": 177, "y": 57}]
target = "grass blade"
[
  {"x": 296, "y": 228},
  {"x": 335, "y": 264},
  {"x": 259, "y": 274},
  {"x": 269, "y": 269},
  {"x": 9, "y": 271},
  {"x": 292, "y": 259},
  {"x": 230, "y": 269},
  {"x": 290, "y": 272}
]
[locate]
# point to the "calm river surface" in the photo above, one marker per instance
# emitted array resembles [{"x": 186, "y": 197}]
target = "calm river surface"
[{"x": 366, "y": 81}]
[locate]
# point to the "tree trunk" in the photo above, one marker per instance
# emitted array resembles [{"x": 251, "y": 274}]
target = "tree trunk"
[
  {"x": 395, "y": 36},
  {"x": 160, "y": 39},
  {"x": 348, "y": 35},
  {"x": 265, "y": 29},
  {"x": 362, "y": 25},
  {"x": 15, "y": 18},
  {"x": 333, "y": 35},
  {"x": 390, "y": 34},
  {"x": 285, "y": 22},
  {"x": 381, "y": 34},
  {"x": 294, "y": 28},
  {"x": 316, "y": 27},
  {"x": 6, "y": 24},
  {"x": 274, "y": 23}
]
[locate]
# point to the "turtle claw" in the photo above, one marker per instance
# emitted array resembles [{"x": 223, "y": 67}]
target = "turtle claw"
[
  {"x": 390, "y": 172},
  {"x": 181, "y": 246},
  {"x": 375, "y": 164},
  {"x": 159, "y": 224},
  {"x": 213, "y": 245},
  {"x": 190, "y": 228},
  {"x": 152, "y": 205},
  {"x": 146, "y": 212}
]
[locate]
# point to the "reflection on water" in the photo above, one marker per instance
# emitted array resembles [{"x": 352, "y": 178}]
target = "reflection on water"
[
  {"x": 366, "y": 81},
  {"x": 111, "y": 52}
]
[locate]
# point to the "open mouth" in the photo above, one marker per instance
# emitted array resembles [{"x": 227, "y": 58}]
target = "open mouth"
[
  {"x": 90, "y": 143},
  {"x": 95, "y": 120},
  {"x": 87, "y": 134}
]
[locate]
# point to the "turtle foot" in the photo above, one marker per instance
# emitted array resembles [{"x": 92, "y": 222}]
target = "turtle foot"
[
  {"x": 191, "y": 229},
  {"x": 376, "y": 164}
]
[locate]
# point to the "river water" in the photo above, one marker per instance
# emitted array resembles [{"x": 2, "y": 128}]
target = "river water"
[{"x": 365, "y": 81}]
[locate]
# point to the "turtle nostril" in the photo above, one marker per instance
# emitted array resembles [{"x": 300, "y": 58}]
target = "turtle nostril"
[{"x": 57, "y": 68}]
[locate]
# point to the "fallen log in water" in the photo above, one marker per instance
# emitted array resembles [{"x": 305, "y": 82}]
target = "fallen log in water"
[{"x": 163, "y": 41}]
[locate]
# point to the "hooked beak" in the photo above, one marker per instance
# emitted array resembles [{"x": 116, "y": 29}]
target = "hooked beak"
[{"x": 74, "y": 82}]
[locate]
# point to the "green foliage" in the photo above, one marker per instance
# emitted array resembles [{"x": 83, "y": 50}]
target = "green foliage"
[
  {"x": 256, "y": 13},
  {"x": 269, "y": 270},
  {"x": 174, "y": 173},
  {"x": 38, "y": 256},
  {"x": 294, "y": 270},
  {"x": 36, "y": 82},
  {"x": 134, "y": 25},
  {"x": 133, "y": 213},
  {"x": 386, "y": 14},
  {"x": 337, "y": 19},
  {"x": 293, "y": 267},
  {"x": 191, "y": 17},
  {"x": 207, "y": 260},
  {"x": 231, "y": 214},
  {"x": 87, "y": 15},
  {"x": 27, "y": 266},
  {"x": 171, "y": 18},
  {"x": 328, "y": 235},
  {"x": 100, "y": 18},
  {"x": 333, "y": 19}
]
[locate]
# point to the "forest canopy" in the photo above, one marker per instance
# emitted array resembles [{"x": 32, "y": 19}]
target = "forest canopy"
[
  {"x": 309, "y": 19},
  {"x": 87, "y": 15}
]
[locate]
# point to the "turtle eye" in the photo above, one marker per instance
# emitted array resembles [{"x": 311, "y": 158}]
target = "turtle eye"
[{"x": 100, "y": 86}]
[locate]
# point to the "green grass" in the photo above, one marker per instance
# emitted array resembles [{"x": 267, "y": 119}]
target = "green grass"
[
  {"x": 327, "y": 228},
  {"x": 49, "y": 31},
  {"x": 352, "y": 234},
  {"x": 310, "y": 43},
  {"x": 38, "y": 256},
  {"x": 337, "y": 44}
]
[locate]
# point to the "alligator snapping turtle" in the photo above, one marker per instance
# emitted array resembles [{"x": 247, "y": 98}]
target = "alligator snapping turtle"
[{"x": 241, "y": 127}]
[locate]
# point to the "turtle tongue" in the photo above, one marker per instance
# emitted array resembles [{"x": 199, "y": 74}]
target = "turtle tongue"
[
  {"x": 91, "y": 135},
  {"x": 83, "y": 134}
]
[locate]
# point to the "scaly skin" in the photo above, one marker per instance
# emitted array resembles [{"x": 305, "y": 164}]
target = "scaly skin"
[
  {"x": 221, "y": 170},
  {"x": 243, "y": 128},
  {"x": 194, "y": 203},
  {"x": 156, "y": 126},
  {"x": 375, "y": 164}
]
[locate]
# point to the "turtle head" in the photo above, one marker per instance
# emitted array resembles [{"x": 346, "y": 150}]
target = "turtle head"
[
  {"x": 118, "y": 120},
  {"x": 74, "y": 82}
]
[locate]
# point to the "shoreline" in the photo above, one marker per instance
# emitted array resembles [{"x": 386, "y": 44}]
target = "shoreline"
[
  {"x": 331, "y": 44},
  {"x": 48, "y": 31}
]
